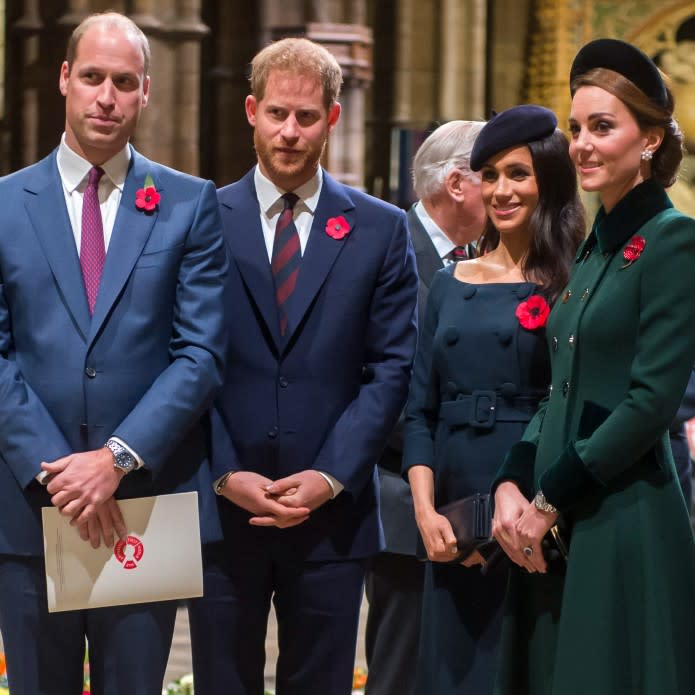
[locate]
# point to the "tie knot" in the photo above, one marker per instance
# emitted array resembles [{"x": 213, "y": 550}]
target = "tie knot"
[
  {"x": 290, "y": 200},
  {"x": 459, "y": 253},
  {"x": 95, "y": 174}
]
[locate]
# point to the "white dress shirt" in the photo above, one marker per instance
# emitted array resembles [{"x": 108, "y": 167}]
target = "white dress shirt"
[
  {"x": 271, "y": 203},
  {"x": 73, "y": 171}
]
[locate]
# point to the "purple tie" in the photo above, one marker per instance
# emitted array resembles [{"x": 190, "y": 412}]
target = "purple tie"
[
  {"x": 287, "y": 256},
  {"x": 92, "y": 252}
]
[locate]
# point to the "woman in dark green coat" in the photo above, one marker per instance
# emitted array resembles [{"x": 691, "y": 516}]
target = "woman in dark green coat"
[{"x": 621, "y": 620}]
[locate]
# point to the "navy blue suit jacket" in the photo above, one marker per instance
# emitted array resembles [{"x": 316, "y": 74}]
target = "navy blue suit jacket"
[
  {"x": 145, "y": 367},
  {"x": 327, "y": 395}
]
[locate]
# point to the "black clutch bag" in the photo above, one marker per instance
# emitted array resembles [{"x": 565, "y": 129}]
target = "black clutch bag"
[{"x": 471, "y": 520}]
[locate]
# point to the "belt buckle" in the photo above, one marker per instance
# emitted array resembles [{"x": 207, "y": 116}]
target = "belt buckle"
[{"x": 483, "y": 409}]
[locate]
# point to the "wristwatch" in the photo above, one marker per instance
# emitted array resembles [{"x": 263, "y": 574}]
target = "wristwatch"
[
  {"x": 123, "y": 460},
  {"x": 540, "y": 503}
]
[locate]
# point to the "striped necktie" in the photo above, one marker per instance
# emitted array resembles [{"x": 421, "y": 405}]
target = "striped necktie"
[
  {"x": 92, "y": 250},
  {"x": 458, "y": 253},
  {"x": 287, "y": 257}
]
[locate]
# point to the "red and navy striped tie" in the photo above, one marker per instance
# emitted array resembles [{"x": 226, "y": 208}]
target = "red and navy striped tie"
[
  {"x": 287, "y": 257},
  {"x": 459, "y": 253}
]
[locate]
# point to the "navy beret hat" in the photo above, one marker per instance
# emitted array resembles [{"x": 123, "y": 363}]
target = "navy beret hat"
[
  {"x": 511, "y": 128},
  {"x": 625, "y": 59}
]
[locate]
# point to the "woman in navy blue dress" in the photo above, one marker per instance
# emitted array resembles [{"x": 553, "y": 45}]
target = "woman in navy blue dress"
[{"x": 482, "y": 367}]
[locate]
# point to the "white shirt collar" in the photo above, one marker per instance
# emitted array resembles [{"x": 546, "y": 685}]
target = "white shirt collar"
[
  {"x": 441, "y": 241},
  {"x": 73, "y": 168},
  {"x": 269, "y": 195}
]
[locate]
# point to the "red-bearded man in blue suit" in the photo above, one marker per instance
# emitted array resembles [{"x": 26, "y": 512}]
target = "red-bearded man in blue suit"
[{"x": 321, "y": 300}]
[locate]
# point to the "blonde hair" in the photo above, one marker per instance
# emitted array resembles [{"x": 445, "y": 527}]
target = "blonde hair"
[{"x": 303, "y": 57}]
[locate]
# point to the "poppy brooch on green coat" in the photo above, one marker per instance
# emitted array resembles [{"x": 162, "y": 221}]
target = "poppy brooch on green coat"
[
  {"x": 533, "y": 313},
  {"x": 633, "y": 249}
]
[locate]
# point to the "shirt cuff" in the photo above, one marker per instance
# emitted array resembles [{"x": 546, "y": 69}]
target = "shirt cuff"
[
  {"x": 336, "y": 486},
  {"x": 139, "y": 463}
]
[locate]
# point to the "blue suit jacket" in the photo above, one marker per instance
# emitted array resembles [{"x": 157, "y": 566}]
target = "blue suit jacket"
[
  {"x": 146, "y": 365},
  {"x": 327, "y": 395}
]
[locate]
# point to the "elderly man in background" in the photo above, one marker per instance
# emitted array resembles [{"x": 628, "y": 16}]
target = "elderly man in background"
[{"x": 447, "y": 219}]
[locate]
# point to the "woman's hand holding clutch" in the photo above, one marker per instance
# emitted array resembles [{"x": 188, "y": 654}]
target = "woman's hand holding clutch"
[
  {"x": 510, "y": 504},
  {"x": 436, "y": 532},
  {"x": 531, "y": 528},
  {"x": 437, "y": 535}
]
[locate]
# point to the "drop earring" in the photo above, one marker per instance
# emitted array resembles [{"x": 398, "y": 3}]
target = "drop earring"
[{"x": 647, "y": 155}]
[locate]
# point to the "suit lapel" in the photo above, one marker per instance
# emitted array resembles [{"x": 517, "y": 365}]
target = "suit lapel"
[
  {"x": 45, "y": 205},
  {"x": 321, "y": 250},
  {"x": 244, "y": 234},
  {"x": 131, "y": 230},
  {"x": 428, "y": 260}
]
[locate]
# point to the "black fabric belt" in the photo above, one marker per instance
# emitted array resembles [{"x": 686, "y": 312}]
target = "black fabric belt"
[{"x": 481, "y": 409}]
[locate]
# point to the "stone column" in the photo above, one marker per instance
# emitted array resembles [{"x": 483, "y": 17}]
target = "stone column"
[
  {"x": 25, "y": 33},
  {"x": 170, "y": 131},
  {"x": 552, "y": 47},
  {"x": 226, "y": 136},
  {"x": 508, "y": 60},
  {"x": 416, "y": 75},
  {"x": 462, "y": 59}
]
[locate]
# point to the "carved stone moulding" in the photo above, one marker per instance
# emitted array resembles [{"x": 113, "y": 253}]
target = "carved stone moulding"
[{"x": 351, "y": 44}]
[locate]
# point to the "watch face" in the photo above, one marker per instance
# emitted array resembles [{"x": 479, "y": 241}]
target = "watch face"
[
  {"x": 122, "y": 458},
  {"x": 126, "y": 461}
]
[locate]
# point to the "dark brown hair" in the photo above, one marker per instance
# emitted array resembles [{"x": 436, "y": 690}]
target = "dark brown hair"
[
  {"x": 647, "y": 113},
  {"x": 558, "y": 220}
]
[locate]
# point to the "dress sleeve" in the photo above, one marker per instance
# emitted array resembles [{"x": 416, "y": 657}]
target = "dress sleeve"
[{"x": 422, "y": 410}]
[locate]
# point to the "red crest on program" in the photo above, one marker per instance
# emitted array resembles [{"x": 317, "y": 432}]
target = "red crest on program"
[{"x": 129, "y": 552}]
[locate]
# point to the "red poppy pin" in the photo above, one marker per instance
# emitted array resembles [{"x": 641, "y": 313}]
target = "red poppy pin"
[
  {"x": 147, "y": 198},
  {"x": 533, "y": 313},
  {"x": 633, "y": 249},
  {"x": 337, "y": 227}
]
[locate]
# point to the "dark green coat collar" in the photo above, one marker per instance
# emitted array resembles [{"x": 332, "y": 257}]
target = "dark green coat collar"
[{"x": 612, "y": 230}]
